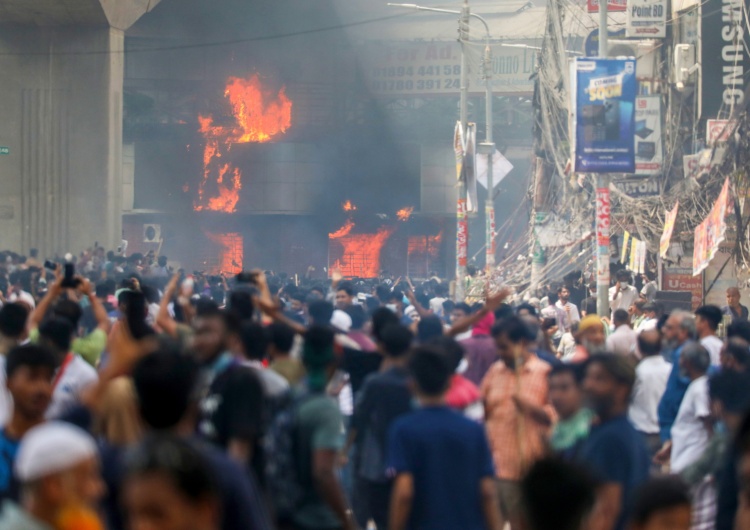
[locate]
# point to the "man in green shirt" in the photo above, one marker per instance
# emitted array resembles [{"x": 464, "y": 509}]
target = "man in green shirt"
[
  {"x": 320, "y": 429},
  {"x": 566, "y": 396},
  {"x": 89, "y": 347}
]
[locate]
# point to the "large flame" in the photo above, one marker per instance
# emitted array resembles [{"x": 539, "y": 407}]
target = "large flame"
[
  {"x": 425, "y": 245},
  {"x": 359, "y": 253},
  {"x": 257, "y": 118},
  {"x": 231, "y": 251}
]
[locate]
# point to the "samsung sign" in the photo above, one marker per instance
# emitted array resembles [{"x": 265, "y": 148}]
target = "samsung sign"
[{"x": 724, "y": 56}]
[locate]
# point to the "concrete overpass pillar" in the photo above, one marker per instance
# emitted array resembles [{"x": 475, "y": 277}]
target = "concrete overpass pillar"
[{"x": 61, "y": 118}]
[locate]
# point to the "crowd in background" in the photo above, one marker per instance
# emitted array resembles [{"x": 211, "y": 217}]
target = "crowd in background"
[{"x": 134, "y": 396}]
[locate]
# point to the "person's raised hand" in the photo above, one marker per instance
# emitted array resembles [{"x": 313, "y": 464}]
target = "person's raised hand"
[
  {"x": 495, "y": 300},
  {"x": 85, "y": 286}
]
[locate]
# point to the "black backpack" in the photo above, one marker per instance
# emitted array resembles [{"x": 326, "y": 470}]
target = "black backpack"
[{"x": 280, "y": 444}]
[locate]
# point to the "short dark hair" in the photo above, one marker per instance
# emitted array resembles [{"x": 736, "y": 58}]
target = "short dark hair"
[
  {"x": 382, "y": 317},
  {"x": 739, "y": 350},
  {"x": 165, "y": 384},
  {"x": 623, "y": 274},
  {"x": 320, "y": 312},
  {"x": 648, "y": 348},
  {"x": 463, "y": 306},
  {"x": 616, "y": 366},
  {"x": 181, "y": 463},
  {"x": 347, "y": 287},
  {"x": 659, "y": 493},
  {"x": 357, "y": 314},
  {"x": 70, "y": 311},
  {"x": 557, "y": 495},
  {"x": 528, "y": 307},
  {"x": 162, "y": 261},
  {"x": 514, "y": 328},
  {"x": 429, "y": 327},
  {"x": 13, "y": 318},
  {"x": 254, "y": 339},
  {"x": 730, "y": 388},
  {"x": 574, "y": 369},
  {"x": 58, "y": 332},
  {"x": 281, "y": 336},
  {"x": 452, "y": 349},
  {"x": 430, "y": 369},
  {"x": 621, "y": 316},
  {"x": 739, "y": 329},
  {"x": 30, "y": 355},
  {"x": 396, "y": 340},
  {"x": 711, "y": 314}
]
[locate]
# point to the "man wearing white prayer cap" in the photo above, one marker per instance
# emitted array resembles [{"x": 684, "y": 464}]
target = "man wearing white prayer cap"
[{"x": 58, "y": 467}]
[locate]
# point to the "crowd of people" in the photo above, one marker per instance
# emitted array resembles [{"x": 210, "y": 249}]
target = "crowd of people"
[{"x": 136, "y": 397}]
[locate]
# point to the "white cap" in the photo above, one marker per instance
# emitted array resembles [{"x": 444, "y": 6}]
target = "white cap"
[
  {"x": 342, "y": 321},
  {"x": 50, "y": 448}
]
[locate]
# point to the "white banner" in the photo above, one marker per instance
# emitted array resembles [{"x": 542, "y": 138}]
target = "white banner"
[
  {"x": 648, "y": 145},
  {"x": 647, "y": 19}
]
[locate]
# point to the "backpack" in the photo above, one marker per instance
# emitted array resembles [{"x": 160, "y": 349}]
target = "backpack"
[{"x": 280, "y": 444}]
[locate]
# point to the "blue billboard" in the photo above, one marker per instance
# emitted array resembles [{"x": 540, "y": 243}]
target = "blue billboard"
[{"x": 604, "y": 115}]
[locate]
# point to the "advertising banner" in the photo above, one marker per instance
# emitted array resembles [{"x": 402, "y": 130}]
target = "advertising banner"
[
  {"x": 724, "y": 56},
  {"x": 648, "y": 145},
  {"x": 643, "y": 187},
  {"x": 710, "y": 233},
  {"x": 718, "y": 131},
  {"x": 668, "y": 229},
  {"x": 682, "y": 279},
  {"x": 612, "y": 5},
  {"x": 604, "y": 95},
  {"x": 625, "y": 243},
  {"x": 647, "y": 18}
]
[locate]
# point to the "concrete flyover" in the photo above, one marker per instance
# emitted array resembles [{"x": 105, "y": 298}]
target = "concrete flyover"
[{"x": 62, "y": 64}]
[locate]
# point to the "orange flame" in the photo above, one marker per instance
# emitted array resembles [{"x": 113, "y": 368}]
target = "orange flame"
[
  {"x": 257, "y": 119},
  {"x": 405, "y": 213},
  {"x": 425, "y": 245},
  {"x": 231, "y": 250},
  {"x": 349, "y": 206},
  {"x": 361, "y": 253},
  {"x": 343, "y": 231}
]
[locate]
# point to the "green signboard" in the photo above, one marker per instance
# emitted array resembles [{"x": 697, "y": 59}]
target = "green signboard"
[{"x": 4, "y": 150}]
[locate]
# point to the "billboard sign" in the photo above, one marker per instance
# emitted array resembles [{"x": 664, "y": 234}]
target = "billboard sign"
[
  {"x": 648, "y": 145},
  {"x": 647, "y": 18},
  {"x": 604, "y": 92}
]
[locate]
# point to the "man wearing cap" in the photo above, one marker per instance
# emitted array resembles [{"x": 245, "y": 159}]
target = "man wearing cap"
[
  {"x": 590, "y": 339},
  {"x": 58, "y": 468}
]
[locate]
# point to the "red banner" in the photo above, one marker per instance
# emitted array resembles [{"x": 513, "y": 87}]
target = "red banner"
[
  {"x": 602, "y": 217},
  {"x": 612, "y": 5},
  {"x": 462, "y": 239}
]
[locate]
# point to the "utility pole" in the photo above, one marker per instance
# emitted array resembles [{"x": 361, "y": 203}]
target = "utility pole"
[
  {"x": 462, "y": 223},
  {"x": 488, "y": 147},
  {"x": 602, "y": 200}
]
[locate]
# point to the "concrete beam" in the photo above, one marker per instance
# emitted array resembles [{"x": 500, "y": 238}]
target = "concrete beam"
[
  {"x": 119, "y": 14},
  {"x": 122, "y": 14}
]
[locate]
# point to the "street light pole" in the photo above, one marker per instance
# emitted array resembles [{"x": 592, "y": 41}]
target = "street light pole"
[
  {"x": 602, "y": 200},
  {"x": 462, "y": 225}
]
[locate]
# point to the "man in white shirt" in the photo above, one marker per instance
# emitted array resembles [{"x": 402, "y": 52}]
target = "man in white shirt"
[
  {"x": 693, "y": 426},
  {"x": 622, "y": 295},
  {"x": 707, "y": 320},
  {"x": 12, "y": 332},
  {"x": 569, "y": 310},
  {"x": 74, "y": 373},
  {"x": 623, "y": 340},
  {"x": 649, "y": 320},
  {"x": 649, "y": 290},
  {"x": 651, "y": 376}
]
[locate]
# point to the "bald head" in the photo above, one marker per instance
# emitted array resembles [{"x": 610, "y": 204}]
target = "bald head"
[{"x": 733, "y": 297}]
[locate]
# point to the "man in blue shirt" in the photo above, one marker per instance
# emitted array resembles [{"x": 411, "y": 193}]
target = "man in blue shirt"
[
  {"x": 615, "y": 453},
  {"x": 441, "y": 460},
  {"x": 678, "y": 330},
  {"x": 30, "y": 370}
]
